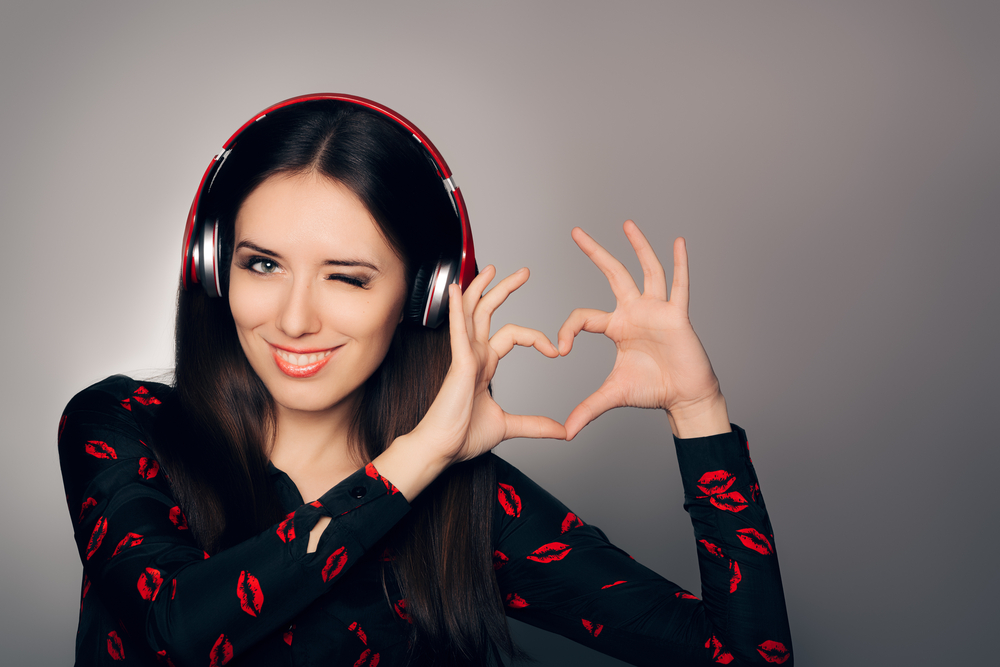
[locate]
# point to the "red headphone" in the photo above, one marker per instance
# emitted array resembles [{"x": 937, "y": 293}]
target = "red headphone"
[{"x": 428, "y": 301}]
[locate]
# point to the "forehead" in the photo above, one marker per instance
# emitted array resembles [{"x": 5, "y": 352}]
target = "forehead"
[{"x": 309, "y": 214}]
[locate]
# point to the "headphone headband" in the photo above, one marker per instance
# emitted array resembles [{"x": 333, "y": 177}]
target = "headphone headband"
[{"x": 428, "y": 302}]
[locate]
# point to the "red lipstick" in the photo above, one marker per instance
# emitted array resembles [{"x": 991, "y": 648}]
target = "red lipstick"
[{"x": 304, "y": 370}]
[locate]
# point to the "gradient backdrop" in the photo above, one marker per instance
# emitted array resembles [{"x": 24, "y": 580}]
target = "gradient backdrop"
[{"x": 834, "y": 167}]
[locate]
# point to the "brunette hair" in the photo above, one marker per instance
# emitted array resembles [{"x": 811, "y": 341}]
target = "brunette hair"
[{"x": 224, "y": 416}]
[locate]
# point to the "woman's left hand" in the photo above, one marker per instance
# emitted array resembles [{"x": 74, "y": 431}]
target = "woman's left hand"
[{"x": 661, "y": 363}]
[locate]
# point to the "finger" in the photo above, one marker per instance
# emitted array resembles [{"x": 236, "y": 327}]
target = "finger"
[
  {"x": 654, "y": 280},
  {"x": 492, "y": 300},
  {"x": 460, "y": 348},
  {"x": 590, "y": 409},
  {"x": 472, "y": 295},
  {"x": 621, "y": 281},
  {"x": 581, "y": 319},
  {"x": 533, "y": 426},
  {"x": 680, "y": 289},
  {"x": 503, "y": 341}
]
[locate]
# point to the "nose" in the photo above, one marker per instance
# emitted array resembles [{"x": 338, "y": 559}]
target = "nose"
[{"x": 299, "y": 315}]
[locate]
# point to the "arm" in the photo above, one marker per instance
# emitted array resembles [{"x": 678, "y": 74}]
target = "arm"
[
  {"x": 140, "y": 558},
  {"x": 560, "y": 574}
]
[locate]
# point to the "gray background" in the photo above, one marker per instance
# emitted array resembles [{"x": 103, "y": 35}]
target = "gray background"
[{"x": 834, "y": 167}]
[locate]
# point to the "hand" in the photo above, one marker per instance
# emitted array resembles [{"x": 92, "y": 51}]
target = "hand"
[
  {"x": 660, "y": 362},
  {"x": 464, "y": 421}
]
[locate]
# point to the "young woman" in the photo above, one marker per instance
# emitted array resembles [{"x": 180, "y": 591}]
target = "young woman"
[{"x": 317, "y": 485}]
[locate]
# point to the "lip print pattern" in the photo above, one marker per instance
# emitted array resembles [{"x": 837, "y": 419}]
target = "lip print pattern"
[
  {"x": 286, "y": 529},
  {"x": 355, "y": 627},
  {"x": 367, "y": 659},
  {"x": 615, "y": 584},
  {"x": 99, "y": 449},
  {"x": 87, "y": 504},
  {"x": 334, "y": 564},
  {"x": 115, "y": 648},
  {"x": 374, "y": 474},
  {"x": 571, "y": 521},
  {"x": 126, "y": 404},
  {"x": 509, "y": 500},
  {"x": 400, "y": 608},
  {"x": 684, "y": 595},
  {"x": 177, "y": 518},
  {"x": 753, "y": 539},
  {"x": 97, "y": 536},
  {"x": 593, "y": 628},
  {"x": 719, "y": 652},
  {"x": 715, "y": 482},
  {"x": 149, "y": 583},
  {"x": 712, "y": 549},
  {"x": 754, "y": 491},
  {"x": 142, "y": 395},
  {"x": 515, "y": 601},
  {"x": 735, "y": 577},
  {"x": 249, "y": 593},
  {"x": 499, "y": 560},
  {"x": 148, "y": 468},
  {"x": 731, "y": 502},
  {"x": 550, "y": 552},
  {"x": 86, "y": 587},
  {"x": 287, "y": 636},
  {"x": 773, "y": 651},
  {"x": 221, "y": 653},
  {"x": 130, "y": 540}
]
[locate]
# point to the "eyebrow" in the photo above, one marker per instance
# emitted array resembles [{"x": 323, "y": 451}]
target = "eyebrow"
[{"x": 330, "y": 262}]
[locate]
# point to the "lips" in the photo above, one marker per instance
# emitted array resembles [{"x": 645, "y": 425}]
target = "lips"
[
  {"x": 249, "y": 593},
  {"x": 499, "y": 560},
  {"x": 101, "y": 450},
  {"x": 712, "y": 549},
  {"x": 130, "y": 540},
  {"x": 753, "y": 539},
  {"x": 717, "y": 481},
  {"x": 719, "y": 652},
  {"x": 302, "y": 365},
  {"x": 593, "y": 628},
  {"x": 684, "y": 595},
  {"x": 400, "y": 608},
  {"x": 355, "y": 627},
  {"x": 97, "y": 536},
  {"x": 550, "y": 552},
  {"x": 334, "y": 564},
  {"x": 149, "y": 583},
  {"x": 286, "y": 529},
  {"x": 773, "y": 651},
  {"x": 115, "y": 648},
  {"x": 148, "y": 468},
  {"x": 367, "y": 659},
  {"x": 87, "y": 504},
  {"x": 571, "y": 521},
  {"x": 375, "y": 474},
  {"x": 509, "y": 500},
  {"x": 731, "y": 502},
  {"x": 142, "y": 395},
  {"x": 221, "y": 653},
  {"x": 515, "y": 601},
  {"x": 177, "y": 518},
  {"x": 735, "y": 577}
]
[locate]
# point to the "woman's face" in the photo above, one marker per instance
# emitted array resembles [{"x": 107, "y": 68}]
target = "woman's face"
[{"x": 315, "y": 290}]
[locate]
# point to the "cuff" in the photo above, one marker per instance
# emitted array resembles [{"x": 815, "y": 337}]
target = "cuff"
[{"x": 703, "y": 461}]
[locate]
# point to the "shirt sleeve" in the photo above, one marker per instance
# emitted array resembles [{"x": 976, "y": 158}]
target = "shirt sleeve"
[
  {"x": 563, "y": 575},
  {"x": 140, "y": 558}
]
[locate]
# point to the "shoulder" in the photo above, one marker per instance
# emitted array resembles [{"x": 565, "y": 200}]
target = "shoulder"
[
  {"x": 120, "y": 390},
  {"x": 522, "y": 501}
]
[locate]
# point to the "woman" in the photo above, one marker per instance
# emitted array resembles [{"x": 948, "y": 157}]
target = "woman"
[{"x": 317, "y": 487}]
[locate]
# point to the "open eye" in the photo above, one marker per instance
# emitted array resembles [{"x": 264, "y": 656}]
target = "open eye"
[{"x": 262, "y": 265}]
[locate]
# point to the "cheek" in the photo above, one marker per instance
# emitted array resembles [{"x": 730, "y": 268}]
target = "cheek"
[{"x": 248, "y": 306}]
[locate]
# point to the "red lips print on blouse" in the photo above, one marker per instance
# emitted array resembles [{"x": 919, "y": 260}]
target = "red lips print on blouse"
[
  {"x": 755, "y": 540},
  {"x": 550, "y": 552},
  {"x": 249, "y": 593},
  {"x": 115, "y": 648},
  {"x": 715, "y": 485},
  {"x": 97, "y": 536},
  {"x": 719, "y": 653},
  {"x": 773, "y": 651},
  {"x": 100, "y": 449},
  {"x": 221, "y": 653},
  {"x": 149, "y": 583},
  {"x": 509, "y": 500},
  {"x": 334, "y": 564}
]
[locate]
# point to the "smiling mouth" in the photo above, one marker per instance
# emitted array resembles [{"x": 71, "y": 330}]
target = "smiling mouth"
[{"x": 301, "y": 365}]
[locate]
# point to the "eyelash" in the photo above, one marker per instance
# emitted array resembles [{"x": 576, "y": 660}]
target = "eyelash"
[{"x": 249, "y": 263}]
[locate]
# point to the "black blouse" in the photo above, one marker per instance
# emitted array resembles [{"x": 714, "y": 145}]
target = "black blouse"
[{"x": 150, "y": 595}]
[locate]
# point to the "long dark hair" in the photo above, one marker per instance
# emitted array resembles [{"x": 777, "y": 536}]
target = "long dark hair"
[{"x": 219, "y": 465}]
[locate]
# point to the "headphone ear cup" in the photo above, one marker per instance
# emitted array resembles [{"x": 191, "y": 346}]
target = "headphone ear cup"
[{"x": 417, "y": 304}]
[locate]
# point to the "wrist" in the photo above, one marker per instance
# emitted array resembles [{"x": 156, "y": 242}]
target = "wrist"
[
  {"x": 701, "y": 419},
  {"x": 410, "y": 465}
]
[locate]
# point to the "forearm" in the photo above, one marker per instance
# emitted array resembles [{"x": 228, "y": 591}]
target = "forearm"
[{"x": 411, "y": 463}]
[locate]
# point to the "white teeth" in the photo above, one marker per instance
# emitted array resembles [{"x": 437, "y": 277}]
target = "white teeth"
[{"x": 303, "y": 359}]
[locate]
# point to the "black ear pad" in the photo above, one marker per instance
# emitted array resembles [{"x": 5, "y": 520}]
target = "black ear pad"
[{"x": 417, "y": 304}]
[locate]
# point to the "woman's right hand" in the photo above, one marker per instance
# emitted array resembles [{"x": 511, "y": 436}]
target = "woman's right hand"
[{"x": 464, "y": 421}]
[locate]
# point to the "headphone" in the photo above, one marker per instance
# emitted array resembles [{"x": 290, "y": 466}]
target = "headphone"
[{"x": 428, "y": 300}]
